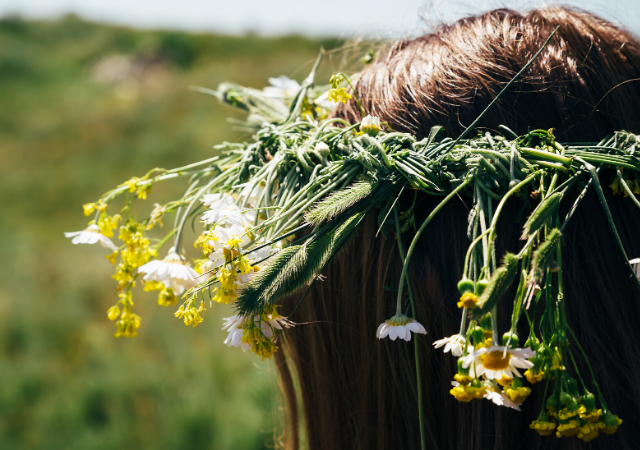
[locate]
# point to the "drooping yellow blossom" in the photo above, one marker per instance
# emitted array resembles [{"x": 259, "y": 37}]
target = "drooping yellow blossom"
[
  {"x": 111, "y": 257},
  {"x": 464, "y": 380},
  {"x": 205, "y": 241},
  {"x": 153, "y": 286},
  {"x": 128, "y": 324},
  {"x": 518, "y": 394},
  {"x": 190, "y": 314},
  {"x": 543, "y": 427},
  {"x": 505, "y": 381},
  {"x": 167, "y": 297},
  {"x": 131, "y": 184},
  {"x": 567, "y": 427},
  {"x": 468, "y": 300},
  {"x": 533, "y": 377},
  {"x": 591, "y": 415},
  {"x": 609, "y": 423},
  {"x": 339, "y": 95},
  {"x": 108, "y": 223},
  {"x": 588, "y": 432},
  {"x": 113, "y": 312},
  {"x": 467, "y": 393},
  {"x": 143, "y": 190}
]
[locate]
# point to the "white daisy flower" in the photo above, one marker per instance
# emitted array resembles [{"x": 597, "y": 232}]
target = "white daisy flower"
[
  {"x": 225, "y": 234},
  {"x": 453, "y": 344},
  {"x": 501, "y": 399},
  {"x": 172, "y": 271},
  {"x": 399, "y": 326},
  {"x": 251, "y": 193},
  {"x": 282, "y": 88},
  {"x": 90, "y": 236},
  {"x": 234, "y": 325},
  {"x": 370, "y": 125},
  {"x": 498, "y": 361},
  {"x": 217, "y": 201},
  {"x": 636, "y": 266},
  {"x": 229, "y": 214}
]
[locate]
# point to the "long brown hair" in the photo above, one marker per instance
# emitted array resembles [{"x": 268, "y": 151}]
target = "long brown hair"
[{"x": 360, "y": 393}]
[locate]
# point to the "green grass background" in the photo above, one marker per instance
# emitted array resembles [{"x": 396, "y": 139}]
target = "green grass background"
[{"x": 65, "y": 138}]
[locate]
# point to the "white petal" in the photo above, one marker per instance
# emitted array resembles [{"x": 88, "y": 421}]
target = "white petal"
[
  {"x": 401, "y": 331},
  {"x": 393, "y": 334}
]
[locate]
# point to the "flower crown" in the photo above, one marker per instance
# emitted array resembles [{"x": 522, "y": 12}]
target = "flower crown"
[{"x": 303, "y": 171}]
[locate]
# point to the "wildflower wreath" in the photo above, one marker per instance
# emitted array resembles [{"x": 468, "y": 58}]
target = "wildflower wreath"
[{"x": 304, "y": 171}]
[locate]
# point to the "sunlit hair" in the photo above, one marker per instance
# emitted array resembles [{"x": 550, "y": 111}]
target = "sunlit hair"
[{"x": 358, "y": 392}]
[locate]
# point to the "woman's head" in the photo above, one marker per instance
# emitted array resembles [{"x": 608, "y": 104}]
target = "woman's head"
[{"x": 358, "y": 392}]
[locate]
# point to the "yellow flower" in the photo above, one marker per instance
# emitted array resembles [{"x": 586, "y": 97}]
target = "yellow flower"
[
  {"x": 588, "y": 432},
  {"x": 517, "y": 395},
  {"x": 543, "y": 427},
  {"x": 111, "y": 257},
  {"x": 243, "y": 264},
  {"x": 567, "y": 413},
  {"x": 468, "y": 393},
  {"x": 533, "y": 377},
  {"x": 128, "y": 324},
  {"x": 468, "y": 300},
  {"x": 591, "y": 416},
  {"x": 464, "y": 380},
  {"x": 205, "y": 241},
  {"x": 89, "y": 208},
  {"x": 264, "y": 349},
  {"x": 143, "y": 190},
  {"x": 190, "y": 315},
  {"x": 113, "y": 312},
  {"x": 505, "y": 381},
  {"x": 338, "y": 95},
  {"x": 167, "y": 297},
  {"x": 131, "y": 184},
  {"x": 225, "y": 296},
  {"x": 153, "y": 286},
  {"x": 609, "y": 423},
  {"x": 567, "y": 428}
]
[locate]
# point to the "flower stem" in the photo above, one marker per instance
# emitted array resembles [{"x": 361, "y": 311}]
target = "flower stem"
[
  {"x": 415, "y": 340},
  {"x": 422, "y": 227}
]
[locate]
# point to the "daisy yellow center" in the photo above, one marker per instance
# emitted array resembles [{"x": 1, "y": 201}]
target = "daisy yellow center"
[{"x": 495, "y": 361}]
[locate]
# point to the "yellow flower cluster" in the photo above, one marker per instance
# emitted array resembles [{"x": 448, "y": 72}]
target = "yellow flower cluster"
[
  {"x": 339, "y": 95},
  {"x": 141, "y": 190},
  {"x": 129, "y": 323},
  {"x": 166, "y": 297},
  {"x": 254, "y": 333},
  {"x": 91, "y": 207},
  {"x": 190, "y": 314},
  {"x": 135, "y": 253},
  {"x": 578, "y": 418},
  {"x": 204, "y": 241}
]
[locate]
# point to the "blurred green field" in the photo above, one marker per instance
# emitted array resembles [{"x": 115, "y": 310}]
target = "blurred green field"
[{"x": 84, "y": 107}]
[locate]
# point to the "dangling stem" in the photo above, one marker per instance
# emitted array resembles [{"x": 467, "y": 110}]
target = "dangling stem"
[
  {"x": 422, "y": 227},
  {"x": 494, "y": 220},
  {"x": 415, "y": 340},
  {"x": 586, "y": 360},
  {"x": 355, "y": 94},
  {"x": 607, "y": 212}
]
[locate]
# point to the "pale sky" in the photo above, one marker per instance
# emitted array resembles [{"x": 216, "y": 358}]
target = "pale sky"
[{"x": 345, "y": 18}]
